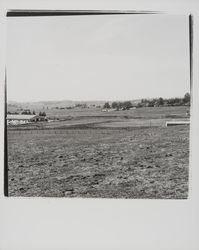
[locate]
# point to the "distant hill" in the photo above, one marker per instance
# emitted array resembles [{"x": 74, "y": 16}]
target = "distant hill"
[{"x": 53, "y": 104}]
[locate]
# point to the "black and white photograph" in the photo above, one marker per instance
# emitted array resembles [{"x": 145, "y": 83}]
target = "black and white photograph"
[{"x": 98, "y": 105}]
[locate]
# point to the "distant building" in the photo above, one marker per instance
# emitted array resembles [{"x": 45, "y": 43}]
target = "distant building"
[{"x": 23, "y": 119}]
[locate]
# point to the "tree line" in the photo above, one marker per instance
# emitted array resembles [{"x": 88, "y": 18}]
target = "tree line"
[
  {"x": 119, "y": 105},
  {"x": 155, "y": 102}
]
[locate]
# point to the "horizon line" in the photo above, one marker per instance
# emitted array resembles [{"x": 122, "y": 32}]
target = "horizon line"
[{"x": 96, "y": 100}]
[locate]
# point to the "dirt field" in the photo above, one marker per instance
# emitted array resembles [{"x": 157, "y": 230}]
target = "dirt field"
[{"x": 100, "y": 161}]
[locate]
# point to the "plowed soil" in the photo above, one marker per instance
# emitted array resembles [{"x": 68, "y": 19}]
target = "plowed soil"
[{"x": 131, "y": 162}]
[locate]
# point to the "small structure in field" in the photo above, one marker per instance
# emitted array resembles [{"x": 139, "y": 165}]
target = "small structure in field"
[
  {"x": 24, "y": 119},
  {"x": 176, "y": 123},
  {"x": 108, "y": 110}
]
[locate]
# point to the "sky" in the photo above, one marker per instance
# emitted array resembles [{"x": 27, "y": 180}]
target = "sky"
[{"x": 108, "y": 57}]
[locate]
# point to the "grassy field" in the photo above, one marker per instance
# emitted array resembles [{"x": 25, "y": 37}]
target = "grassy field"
[
  {"x": 146, "y": 113},
  {"x": 129, "y": 154}
]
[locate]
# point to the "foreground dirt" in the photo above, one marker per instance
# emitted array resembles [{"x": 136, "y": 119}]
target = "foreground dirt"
[{"x": 111, "y": 163}]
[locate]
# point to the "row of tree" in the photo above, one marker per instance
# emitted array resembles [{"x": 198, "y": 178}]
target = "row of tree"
[
  {"x": 156, "y": 102},
  {"x": 42, "y": 113},
  {"x": 119, "y": 105},
  {"x": 28, "y": 112}
]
